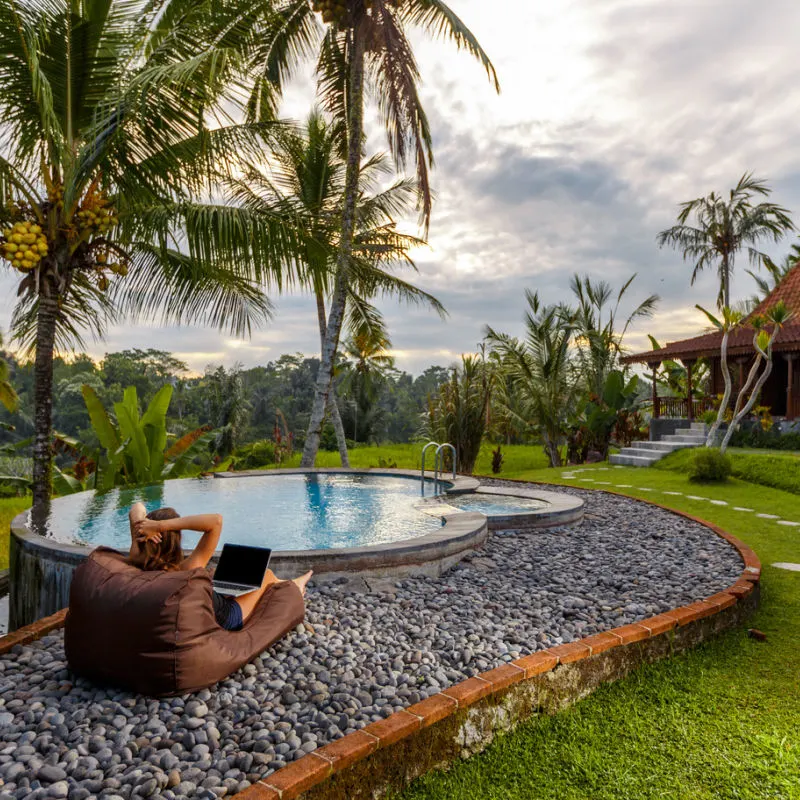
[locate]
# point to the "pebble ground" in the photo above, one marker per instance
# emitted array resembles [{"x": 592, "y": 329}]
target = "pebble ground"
[{"x": 365, "y": 651}]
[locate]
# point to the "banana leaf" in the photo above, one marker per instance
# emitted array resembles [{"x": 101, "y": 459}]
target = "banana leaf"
[{"x": 101, "y": 422}]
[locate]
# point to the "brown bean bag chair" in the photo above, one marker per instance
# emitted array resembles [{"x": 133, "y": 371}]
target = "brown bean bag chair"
[{"x": 155, "y": 632}]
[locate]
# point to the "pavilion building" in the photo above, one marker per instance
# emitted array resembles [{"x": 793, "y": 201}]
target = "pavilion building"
[{"x": 781, "y": 392}]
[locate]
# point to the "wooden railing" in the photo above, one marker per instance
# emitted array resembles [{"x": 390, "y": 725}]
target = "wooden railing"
[{"x": 678, "y": 407}]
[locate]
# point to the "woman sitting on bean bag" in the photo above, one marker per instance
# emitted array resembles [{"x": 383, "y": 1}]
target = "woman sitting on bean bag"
[{"x": 156, "y": 545}]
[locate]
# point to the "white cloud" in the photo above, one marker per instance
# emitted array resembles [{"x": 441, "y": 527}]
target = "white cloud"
[{"x": 610, "y": 115}]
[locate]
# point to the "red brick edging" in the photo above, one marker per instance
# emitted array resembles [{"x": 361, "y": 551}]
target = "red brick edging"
[{"x": 432, "y": 729}]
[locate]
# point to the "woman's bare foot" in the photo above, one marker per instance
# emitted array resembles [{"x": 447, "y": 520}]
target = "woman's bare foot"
[{"x": 302, "y": 581}]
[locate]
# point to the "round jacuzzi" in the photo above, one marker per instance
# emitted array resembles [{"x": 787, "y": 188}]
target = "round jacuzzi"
[{"x": 506, "y": 507}]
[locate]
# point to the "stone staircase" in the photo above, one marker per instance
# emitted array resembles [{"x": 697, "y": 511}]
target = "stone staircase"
[{"x": 643, "y": 454}]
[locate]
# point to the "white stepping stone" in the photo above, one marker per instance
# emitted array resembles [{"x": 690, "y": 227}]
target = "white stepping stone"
[
  {"x": 674, "y": 494},
  {"x": 623, "y": 486},
  {"x": 603, "y": 483},
  {"x": 788, "y": 523},
  {"x": 742, "y": 508},
  {"x": 695, "y": 497},
  {"x": 643, "y": 489},
  {"x": 787, "y": 565},
  {"x": 768, "y": 516},
  {"x": 719, "y": 502}
]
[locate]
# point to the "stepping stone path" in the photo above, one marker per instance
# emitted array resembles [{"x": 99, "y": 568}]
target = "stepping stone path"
[
  {"x": 697, "y": 498},
  {"x": 787, "y": 565}
]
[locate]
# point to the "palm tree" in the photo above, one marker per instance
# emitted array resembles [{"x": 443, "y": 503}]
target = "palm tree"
[
  {"x": 597, "y": 337},
  {"x": 363, "y": 42},
  {"x": 364, "y": 367},
  {"x": 538, "y": 371},
  {"x": 111, "y": 131},
  {"x": 305, "y": 183},
  {"x": 776, "y": 272},
  {"x": 723, "y": 227}
]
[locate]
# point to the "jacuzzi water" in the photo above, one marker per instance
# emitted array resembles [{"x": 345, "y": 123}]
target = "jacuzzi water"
[
  {"x": 495, "y": 505},
  {"x": 284, "y": 512}
]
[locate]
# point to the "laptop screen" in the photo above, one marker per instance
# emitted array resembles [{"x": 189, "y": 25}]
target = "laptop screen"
[{"x": 241, "y": 564}]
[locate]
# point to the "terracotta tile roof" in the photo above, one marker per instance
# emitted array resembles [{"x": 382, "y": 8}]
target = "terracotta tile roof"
[{"x": 740, "y": 341}]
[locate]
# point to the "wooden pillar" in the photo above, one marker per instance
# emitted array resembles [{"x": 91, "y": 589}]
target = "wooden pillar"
[
  {"x": 654, "y": 365},
  {"x": 789, "y": 385},
  {"x": 689, "y": 409}
]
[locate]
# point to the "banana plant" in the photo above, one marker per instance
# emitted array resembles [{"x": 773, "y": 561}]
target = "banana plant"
[{"x": 135, "y": 448}]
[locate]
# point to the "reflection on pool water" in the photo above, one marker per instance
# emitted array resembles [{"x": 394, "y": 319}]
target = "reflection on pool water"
[
  {"x": 284, "y": 512},
  {"x": 496, "y": 505}
]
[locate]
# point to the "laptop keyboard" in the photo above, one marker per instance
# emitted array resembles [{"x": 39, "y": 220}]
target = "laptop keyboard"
[{"x": 232, "y": 586}]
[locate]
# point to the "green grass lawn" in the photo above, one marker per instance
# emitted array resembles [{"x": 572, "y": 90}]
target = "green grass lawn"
[
  {"x": 718, "y": 722},
  {"x": 516, "y": 457}
]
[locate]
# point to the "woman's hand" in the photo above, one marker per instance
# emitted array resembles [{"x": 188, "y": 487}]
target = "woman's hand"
[{"x": 148, "y": 530}]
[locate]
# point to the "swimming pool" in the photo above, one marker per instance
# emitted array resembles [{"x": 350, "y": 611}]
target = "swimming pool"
[{"x": 284, "y": 512}]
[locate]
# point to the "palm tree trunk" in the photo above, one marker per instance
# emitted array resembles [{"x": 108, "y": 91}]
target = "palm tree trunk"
[
  {"x": 333, "y": 407},
  {"x": 726, "y": 396},
  {"x": 341, "y": 286},
  {"x": 43, "y": 398},
  {"x": 726, "y": 281},
  {"x": 740, "y": 415}
]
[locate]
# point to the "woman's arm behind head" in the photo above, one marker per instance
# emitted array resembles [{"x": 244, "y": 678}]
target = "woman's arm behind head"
[{"x": 211, "y": 526}]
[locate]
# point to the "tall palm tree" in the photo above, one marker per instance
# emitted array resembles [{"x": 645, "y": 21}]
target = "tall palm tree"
[
  {"x": 776, "y": 272},
  {"x": 362, "y": 44},
  {"x": 598, "y": 337},
  {"x": 305, "y": 182},
  {"x": 111, "y": 130},
  {"x": 722, "y": 227}
]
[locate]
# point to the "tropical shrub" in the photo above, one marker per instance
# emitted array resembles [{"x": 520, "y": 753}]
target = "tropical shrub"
[
  {"x": 751, "y": 435},
  {"x": 254, "y": 456},
  {"x": 497, "y": 460},
  {"x": 538, "y": 380},
  {"x": 602, "y": 415},
  {"x": 458, "y": 412},
  {"x": 708, "y": 465}
]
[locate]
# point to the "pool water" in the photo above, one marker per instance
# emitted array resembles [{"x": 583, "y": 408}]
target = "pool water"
[
  {"x": 494, "y": 505},
  {"x": 284, "y": 512}
]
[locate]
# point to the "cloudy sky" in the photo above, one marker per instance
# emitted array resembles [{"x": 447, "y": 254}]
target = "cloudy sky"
[{"x": 610, "y": 114}]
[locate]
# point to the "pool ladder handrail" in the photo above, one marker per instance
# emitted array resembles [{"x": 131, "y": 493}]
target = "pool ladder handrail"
[{"x": 438, "y": 464}]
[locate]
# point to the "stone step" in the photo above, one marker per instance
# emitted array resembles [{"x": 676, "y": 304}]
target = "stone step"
[
  {"x": 632, "y": 460},
  {"x": 684, "y": 438},
  {"x": 665, "y": 447}
]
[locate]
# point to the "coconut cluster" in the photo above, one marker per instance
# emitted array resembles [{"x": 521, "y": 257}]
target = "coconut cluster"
[
  {"x": 102, "y": 266},
  {"x": 24, "y": 245}
]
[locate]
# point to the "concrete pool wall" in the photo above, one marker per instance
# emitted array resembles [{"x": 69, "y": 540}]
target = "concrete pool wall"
[{"x": 41, "y": 568}]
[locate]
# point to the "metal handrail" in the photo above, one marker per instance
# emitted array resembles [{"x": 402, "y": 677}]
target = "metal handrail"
[
  {"x": 438, "y": 464},
  {"x": 422, "y": 468}
]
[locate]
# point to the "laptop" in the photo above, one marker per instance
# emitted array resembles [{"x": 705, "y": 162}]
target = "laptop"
[{"x": 240, "y": 569}]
